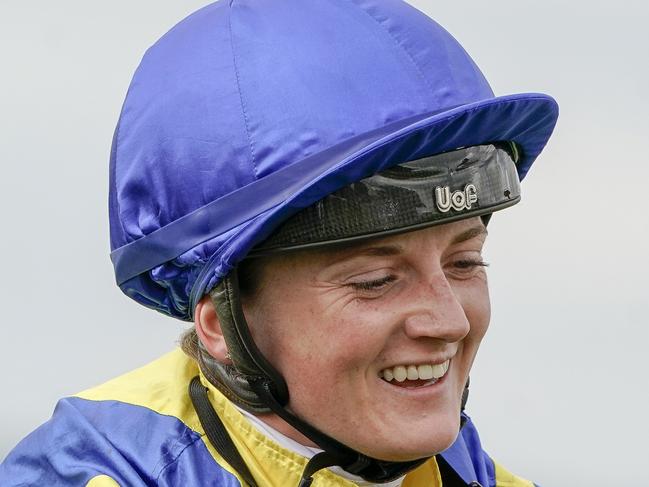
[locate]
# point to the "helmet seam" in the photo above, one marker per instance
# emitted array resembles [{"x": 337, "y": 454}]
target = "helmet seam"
[
  {"x": 399, "y": 47},
  {"x": 251, "y": 144}
]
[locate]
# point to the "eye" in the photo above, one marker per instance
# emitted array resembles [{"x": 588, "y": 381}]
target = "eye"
[
  {"x": 466, "y": 267},
  {"x": 372, "y": 285},
  {"x": 469, "y": 263}
]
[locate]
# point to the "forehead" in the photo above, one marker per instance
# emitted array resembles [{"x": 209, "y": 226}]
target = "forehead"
[{"x": 438, "y": 236}]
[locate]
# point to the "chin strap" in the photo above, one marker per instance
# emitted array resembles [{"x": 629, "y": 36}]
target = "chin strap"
[
  {"x": 317, "y": 462},
  {"x": 216, "y": 432},
  {"x": 335, "y": 453},
  {"x": 220, "y": 439},
  {"x": 354, "y": 462}
]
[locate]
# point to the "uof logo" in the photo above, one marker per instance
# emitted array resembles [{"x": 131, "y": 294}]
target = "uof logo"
[{"x": 458, "y": 200}]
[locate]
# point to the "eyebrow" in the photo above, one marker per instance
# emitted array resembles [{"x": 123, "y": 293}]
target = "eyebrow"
[
  {"x": 381, "y": 250},
  {"x": 469, "y": 234},
  {"x": 387, "y": 250}
]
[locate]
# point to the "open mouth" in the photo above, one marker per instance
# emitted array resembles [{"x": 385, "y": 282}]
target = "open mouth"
[{"x": 410, "y": 376}]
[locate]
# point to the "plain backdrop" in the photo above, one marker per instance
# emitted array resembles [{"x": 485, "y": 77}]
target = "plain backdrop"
[{"x": 559, "y": 389}]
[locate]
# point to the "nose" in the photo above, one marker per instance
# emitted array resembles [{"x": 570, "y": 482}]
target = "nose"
[{"x": 436, "y": 311}]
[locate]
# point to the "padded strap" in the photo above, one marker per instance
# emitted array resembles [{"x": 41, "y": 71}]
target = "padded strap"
[
  {"x": 230, "y": 382},
  {"x": 246, "y": 357},
  {"x": 216, "y": 432}
]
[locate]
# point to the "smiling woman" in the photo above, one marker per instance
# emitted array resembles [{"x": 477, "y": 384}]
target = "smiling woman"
[
  {"x": 365, "y": 316},
  {"x": 336, "y": 323},
  {"x": 321, "y": 224}
]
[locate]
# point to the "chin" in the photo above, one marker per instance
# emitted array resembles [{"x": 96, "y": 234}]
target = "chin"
[{"x": 415, "y": 442}]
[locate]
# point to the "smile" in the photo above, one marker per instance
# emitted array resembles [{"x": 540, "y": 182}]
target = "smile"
[{"x": 403, "y": 375}]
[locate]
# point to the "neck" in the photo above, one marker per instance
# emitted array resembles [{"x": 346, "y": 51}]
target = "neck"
[
  {"x": 278, "y": 424},
  {"x": 277, "y": 429}
]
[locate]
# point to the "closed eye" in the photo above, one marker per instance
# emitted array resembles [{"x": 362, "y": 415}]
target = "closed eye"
[
  {"x": 372, "y": 284},
  {"x": 469, "y": 263}
]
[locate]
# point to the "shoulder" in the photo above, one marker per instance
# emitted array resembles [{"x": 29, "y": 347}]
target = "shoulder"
[{"x": 138, "y": 429}]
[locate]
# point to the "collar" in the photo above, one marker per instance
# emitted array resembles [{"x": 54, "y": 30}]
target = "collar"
[{"x": 274, "y": 464}]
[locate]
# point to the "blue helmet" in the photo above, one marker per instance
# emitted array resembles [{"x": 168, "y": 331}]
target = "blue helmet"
[
  {"x": 248, "y": 111},
  {"x": 249, "y": 114}
]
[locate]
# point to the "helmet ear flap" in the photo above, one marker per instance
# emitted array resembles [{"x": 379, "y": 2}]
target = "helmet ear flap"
[
  {"x": 248, "y": 361},
  {"x": 230, "y": 382}
]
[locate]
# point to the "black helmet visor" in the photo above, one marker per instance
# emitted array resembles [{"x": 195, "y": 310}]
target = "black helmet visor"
[{"x": 446, "y": 187}]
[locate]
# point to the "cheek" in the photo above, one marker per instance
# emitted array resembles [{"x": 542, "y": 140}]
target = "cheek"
[
  {"x": 477, "y": 307},
  {"x": 290, "y": 334}
]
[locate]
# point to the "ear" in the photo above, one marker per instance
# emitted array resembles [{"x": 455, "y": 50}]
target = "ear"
[{"x": 208, "y": 329}]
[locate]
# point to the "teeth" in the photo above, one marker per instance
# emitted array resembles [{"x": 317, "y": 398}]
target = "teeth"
[
  {"x": 425, "y": 372},
  {"x": 399, "y": 373},
  {"x": 412, "y": 372},
  {"x": 438, "y": 371},
  {"x": 415, "y": 372}
]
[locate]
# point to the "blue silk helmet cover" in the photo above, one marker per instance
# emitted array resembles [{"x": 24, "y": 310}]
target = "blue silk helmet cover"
[{"x": 248, "y": 111}]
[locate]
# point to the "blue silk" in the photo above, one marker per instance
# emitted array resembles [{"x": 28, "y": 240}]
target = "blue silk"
[
  {"x": 131, "y": 444},
  {"x": 138, "y": 447},
  {"x": 467, "y": 457},
  {"x": 248, "y": 111}
]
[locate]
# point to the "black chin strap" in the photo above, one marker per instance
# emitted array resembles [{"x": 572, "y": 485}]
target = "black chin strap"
[
  {"x": 335, "y": 453},
  {"x": 318, "y": 462},
  {"x": 352, "y": 461},
  {"x": 216, "y": 432}
]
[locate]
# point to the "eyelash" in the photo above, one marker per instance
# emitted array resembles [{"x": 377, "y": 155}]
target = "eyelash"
[
  {"x": 373, "y": 284},
  {"x": 469, "y": 263}
]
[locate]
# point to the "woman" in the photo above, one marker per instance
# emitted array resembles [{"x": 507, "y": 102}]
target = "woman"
[{"x": 310, "y": 183}]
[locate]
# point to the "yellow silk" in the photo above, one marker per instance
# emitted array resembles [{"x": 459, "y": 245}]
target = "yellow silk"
[
  {"x": 505, "y": 478},
  {"x": 162, "y": 386},
  {"x": 102, "y": 481}
]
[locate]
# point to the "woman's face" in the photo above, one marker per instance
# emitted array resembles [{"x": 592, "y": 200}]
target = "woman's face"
[{"x": 337, "y": 324}]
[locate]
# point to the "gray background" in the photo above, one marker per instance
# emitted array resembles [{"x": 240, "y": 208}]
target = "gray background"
[{"x": 559, "y": 390}]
